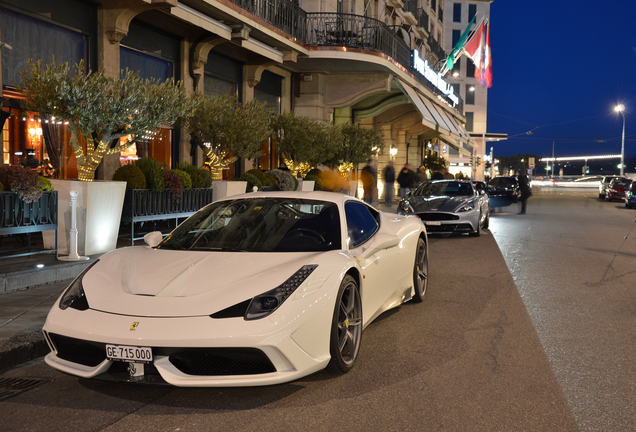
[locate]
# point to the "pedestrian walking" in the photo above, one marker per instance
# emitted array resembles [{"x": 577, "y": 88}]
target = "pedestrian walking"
[
  {"x": 389, "y": 183},
  {"x": 421, "y": 176},
  {"x": 369, "y": 177},
  {"x": 526, "y": 192},
  {"x": 406, "y": 179}
]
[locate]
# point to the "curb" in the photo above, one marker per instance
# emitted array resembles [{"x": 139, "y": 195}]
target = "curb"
[{"x": 22, "y": 348}]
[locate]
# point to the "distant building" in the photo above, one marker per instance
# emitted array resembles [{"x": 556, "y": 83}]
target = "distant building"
[{"x": 459, "y": 13}]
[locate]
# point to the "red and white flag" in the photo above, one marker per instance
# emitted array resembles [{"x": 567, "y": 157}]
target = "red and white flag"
[{"x": 478, "y": 49}]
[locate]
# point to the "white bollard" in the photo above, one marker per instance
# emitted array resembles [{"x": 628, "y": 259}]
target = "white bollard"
[{"x": 73, "y": 241}]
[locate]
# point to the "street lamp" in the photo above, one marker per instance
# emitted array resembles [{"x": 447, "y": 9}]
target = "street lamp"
[{"x": 619, "y": 109}]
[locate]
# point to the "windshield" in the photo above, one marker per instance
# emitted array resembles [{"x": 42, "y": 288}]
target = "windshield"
[
  {"x": 260, "y": 225},
  {"x": 502, "y": 182},
  {"x": 622, "y": 182},
  {"x": 445, "y": 188}
]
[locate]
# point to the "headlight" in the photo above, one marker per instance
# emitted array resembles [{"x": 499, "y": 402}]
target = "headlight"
[
  {"x": 74, "y": 295},
  {"x": 264, "y": 304},
  {"x": 467, "y": 207}
]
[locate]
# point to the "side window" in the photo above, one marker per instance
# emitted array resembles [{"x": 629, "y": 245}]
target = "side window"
[{"x": 361, "y": 223}]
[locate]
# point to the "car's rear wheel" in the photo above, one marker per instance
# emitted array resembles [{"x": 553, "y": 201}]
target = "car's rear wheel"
[
  {"x": 346, "y": 327},
  {"x": 420, "y": 271}
]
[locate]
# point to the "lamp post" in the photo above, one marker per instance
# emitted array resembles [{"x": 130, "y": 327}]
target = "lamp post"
[{"x": 619, "y": 109}]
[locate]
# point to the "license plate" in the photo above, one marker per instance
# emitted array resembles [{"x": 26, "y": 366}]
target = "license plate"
[
  {"x": 437, "y": 223},
  {"x": 128, "y": 353}
]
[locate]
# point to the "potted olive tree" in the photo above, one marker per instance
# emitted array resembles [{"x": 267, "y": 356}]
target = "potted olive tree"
[
  {"x": 226, "y": 129},
  {"x": 303, "y": 142},
  {"x": 356, "y": 146},
  {"x": 104, "y": 115}
]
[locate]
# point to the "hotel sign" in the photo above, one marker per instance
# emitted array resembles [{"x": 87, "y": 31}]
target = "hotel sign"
[{"x": 435, "y": 78}]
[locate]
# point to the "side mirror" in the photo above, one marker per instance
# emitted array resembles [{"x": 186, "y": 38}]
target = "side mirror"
[{"x": 152, "y": 239}]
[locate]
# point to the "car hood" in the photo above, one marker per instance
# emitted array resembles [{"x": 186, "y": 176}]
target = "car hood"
[
  {"x": 142, "y": 281},
  {"x": 446, "y": 204}
]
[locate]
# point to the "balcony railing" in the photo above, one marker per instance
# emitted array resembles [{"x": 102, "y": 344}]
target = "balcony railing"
[
  {"x": 436, "y": 48},
  {"x": 410, "y": 6},
  {"x": 422, "y": 19},
  {"x": 282, "y": 14},
  {"x": 356, "y": 31}
]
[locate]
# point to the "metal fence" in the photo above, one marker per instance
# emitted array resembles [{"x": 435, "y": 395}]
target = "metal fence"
[
  {"x": 143, "y": 205},
  {"x": 18, "y": 217},
  {"x": 282, "y": 14}
]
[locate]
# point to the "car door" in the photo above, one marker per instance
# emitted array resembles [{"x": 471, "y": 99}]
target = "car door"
[{"x": 380, "y": 270}]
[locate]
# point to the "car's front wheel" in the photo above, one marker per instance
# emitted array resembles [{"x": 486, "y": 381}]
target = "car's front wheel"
[
  {"x": 420, "y": 271},
  {"x": 477, "y": 231},
  {"x": 346, "y": 327}
]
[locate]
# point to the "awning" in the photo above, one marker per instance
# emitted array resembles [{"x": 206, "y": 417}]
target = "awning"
[
  {"x": 427, "y": 119},
  {"x": 450, "y": 141}
]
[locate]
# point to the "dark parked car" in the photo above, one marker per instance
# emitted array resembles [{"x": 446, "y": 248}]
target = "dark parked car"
[
  {"x": 630, "y": 195},
  {"x": 616, "y": 189},
  {"x": 480, "y": 186},
  {"x": 503, "y": 191}
]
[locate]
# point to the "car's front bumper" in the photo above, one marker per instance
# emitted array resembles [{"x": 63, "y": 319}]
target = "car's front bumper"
[
  {"x": 440, "y": 222},
  {"x": 294, "y": 346}
]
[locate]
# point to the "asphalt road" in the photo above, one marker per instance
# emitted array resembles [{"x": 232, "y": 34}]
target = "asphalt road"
[
  {"x": 475, "y": 356},
  {"x": 573, "y": 259}
]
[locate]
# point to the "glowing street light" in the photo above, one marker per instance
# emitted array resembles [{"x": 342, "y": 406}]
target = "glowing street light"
[{"x": 619, "y": 109}]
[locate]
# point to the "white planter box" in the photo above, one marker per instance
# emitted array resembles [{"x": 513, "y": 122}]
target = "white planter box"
[
  {"x": 223, "y": 188},
  {"x": 306, "y": 185},
  {"x": 98, "y": 215}
]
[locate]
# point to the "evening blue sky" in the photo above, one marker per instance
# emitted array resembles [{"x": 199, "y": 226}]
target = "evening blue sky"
[{"x": 559, "y": 68}]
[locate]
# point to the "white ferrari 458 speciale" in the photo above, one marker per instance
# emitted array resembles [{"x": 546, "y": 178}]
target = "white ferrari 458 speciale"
[{"x": 255, "y": 289}]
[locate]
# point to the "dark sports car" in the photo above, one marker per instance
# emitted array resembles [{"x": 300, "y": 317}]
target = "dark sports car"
[
  {"x": 503, "y": 191},
  {"x": 449, "y": 206}
]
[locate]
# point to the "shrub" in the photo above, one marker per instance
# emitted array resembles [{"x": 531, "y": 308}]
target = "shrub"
[
  {"x": 316, "y": 180},
  {"x": 132, "y": 175},
  {"x": 174, "y": 183},
  {"x": 23, "y": 181},
  {"x": 260, "y": 175},
  {"x": 153, "y": 171},
  {"x": 46, "y": 184},
  {"x": 252, "y": 181},
  {"x": 284, "y": 180},
  {"x": 270, "y": 180},
  {"x": 200, "y": 177},
  {"x": 186, "y": 180}
]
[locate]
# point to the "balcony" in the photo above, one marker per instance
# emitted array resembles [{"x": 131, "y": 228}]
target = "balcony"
[
  {"x": 422, "y": 19},
  {"x": 436, "y": 48},
  {"x": 356, "y": 31},
  {"x": 410, "y": 6},
  {"x": 282, "y": 14}
]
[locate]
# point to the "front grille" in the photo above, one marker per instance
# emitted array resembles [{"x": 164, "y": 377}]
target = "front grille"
[
  {"x": 437, "y": 216},
  {"x": 79, "y": 351},
  {"x": 222, "y": 361},
  {"x": 449, "y": 228}
]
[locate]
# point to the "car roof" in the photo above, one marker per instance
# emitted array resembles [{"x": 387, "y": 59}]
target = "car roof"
[{"x": 334, "y": 197}]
